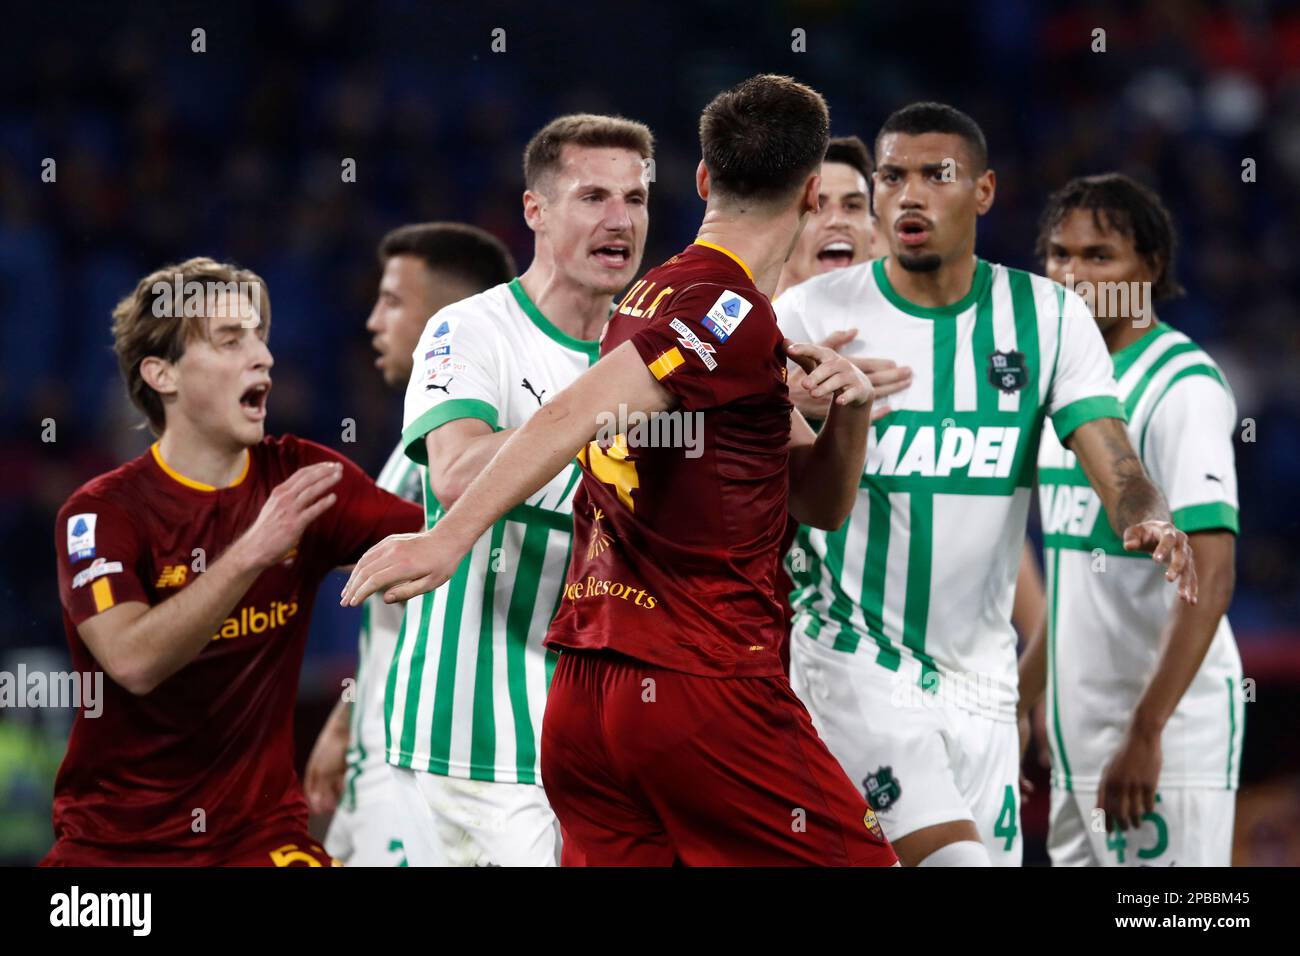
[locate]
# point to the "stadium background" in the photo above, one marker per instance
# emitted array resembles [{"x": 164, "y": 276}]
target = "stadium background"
[{"x": 235, "y": 152}]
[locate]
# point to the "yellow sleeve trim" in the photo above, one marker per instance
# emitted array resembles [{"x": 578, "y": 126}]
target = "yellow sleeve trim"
[
  {"x": 665, "y": 363},
  {"x": 103, "y": 594}
]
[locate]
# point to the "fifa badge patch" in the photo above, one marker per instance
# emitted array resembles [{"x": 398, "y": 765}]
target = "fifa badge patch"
[
  {"x": 81, "y": 536},
  {"x": 725, "y": 315},
  {"x": 882, "y": 790},
  {"x": 1007, "y": 371}
]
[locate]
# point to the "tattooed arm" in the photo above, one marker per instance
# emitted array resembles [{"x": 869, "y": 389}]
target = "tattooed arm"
[{"x": 1134, "y": 505}]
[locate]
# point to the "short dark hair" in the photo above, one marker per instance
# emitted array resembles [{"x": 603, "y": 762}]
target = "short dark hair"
[
  {"x": 1119, "y": 204},
  {"x": 851, "y": 151},
  {"x": 762, "y": 138},
  {"x": 916, "y": 119},
  {"x": 465, "y": 251},
  {"x": 542, "y": 154}
]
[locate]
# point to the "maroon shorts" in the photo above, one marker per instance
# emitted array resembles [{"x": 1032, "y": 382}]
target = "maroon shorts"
[
  {"x": 288, "y": 847},
  {"x": 649, "y": 767}
]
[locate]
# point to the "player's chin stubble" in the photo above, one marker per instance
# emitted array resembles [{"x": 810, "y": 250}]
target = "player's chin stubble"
[{"x": 920, "y": 262}]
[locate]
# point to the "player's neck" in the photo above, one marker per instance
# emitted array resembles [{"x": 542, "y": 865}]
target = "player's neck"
[
  {"x": 192, "y": 456},
  {"x": 933, "y": 290},
  {"x": 576, "y": 310},
  {"x": 762, "y": 243},
  {"x": 1124, "y": 332}
]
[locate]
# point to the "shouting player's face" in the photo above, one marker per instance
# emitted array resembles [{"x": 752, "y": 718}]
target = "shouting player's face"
[
  {"x": 927, "y": 198},
  {"x": 591, "y": 216},
  {"x": 409, "y": 293},
  {"x": 840, "y": 233},
  {"x": 220, "y": 384},
  {"x": 1083, "y": 252}
]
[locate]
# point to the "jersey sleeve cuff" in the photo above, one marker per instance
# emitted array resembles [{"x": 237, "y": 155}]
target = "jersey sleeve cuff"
[
  {"x": 1066, "y": 420},
  {"x": 413, "y": 434},
  {"x": 1211, "y": 516}
]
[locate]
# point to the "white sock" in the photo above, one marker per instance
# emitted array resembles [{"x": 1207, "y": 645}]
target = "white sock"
[{"x": 961, "y": 853}]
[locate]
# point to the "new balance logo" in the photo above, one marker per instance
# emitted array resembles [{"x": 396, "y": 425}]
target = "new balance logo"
[{"x": 173, "y": 576}]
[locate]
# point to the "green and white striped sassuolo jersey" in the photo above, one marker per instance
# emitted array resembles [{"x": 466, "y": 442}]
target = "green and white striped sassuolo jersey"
[
  {"x": 380, "y": 623},
  {"x": 1107, "y": 608},
  {"x": 921, "y": 577},
  {"x": 468, "y": 683}
]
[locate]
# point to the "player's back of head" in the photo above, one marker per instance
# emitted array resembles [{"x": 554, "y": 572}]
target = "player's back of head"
[
  {"x": 917, "y": 119},
  {"x": 1119, "y": 204},
  {"x": 466, "y": 252},
  {"x": 762, "y": 139}
]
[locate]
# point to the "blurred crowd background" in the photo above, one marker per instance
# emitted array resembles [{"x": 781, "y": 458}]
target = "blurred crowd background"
[{"x": 164, "y": 153}]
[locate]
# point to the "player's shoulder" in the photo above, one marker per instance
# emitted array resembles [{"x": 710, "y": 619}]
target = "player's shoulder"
[
  {"x": 478, "y": 315},
  {"x": 846, "y": 285},
  {"x": 120, "y": 488},
  {"x": 1189, "y": 372}
]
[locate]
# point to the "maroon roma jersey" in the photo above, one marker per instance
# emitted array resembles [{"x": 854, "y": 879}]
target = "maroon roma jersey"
[
  {"x": 195, "y": 770},
  {"x": 676, "y": 549}
]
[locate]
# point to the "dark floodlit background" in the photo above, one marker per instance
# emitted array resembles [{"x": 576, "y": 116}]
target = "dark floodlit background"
[{"x": 163, "y": 153}]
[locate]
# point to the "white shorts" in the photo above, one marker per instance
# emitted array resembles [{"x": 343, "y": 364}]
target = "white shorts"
[
  {"x": 368, "y": 833},
  {"x": 918, "y": 765},
  {"x": 452, "y": 822},
  {"x": 1190, "y": 827}
]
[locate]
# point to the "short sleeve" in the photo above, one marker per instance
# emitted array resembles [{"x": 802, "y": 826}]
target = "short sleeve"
[
  {"x": 363, "y": 515},
  {"x": 1083, "y": 383},
  {"x": 99, "y": 556},
  {"x": 790, "y": 308},
  {"x": 711, "y": 346},
  {"x": 454, "y": 374},
  {"x": 1187, "y": 448}
]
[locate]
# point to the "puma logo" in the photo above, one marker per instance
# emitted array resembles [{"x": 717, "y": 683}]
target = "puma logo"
[
  {"x": 536, "y": 395},
  {"x": 1210, "y": 477},
  {"x": 443, "y": 388}
]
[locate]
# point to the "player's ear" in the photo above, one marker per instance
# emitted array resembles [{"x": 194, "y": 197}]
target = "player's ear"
[
  {"x": 702, "y": 181},
  {"x": 986, "y": 185},
  {"x": 159, "y": 374},
  {"x": 811, "y": 200},
  {"x": 533, "y": 203}
]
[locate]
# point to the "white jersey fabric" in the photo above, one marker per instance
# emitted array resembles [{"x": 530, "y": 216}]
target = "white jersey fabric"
[{"x": 1107, "y": 607}]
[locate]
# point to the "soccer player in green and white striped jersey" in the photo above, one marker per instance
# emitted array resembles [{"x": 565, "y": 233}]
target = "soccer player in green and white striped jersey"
[
  {"x": 903, "y": 649},
  {"x": 1144, "y": 712},
  {"x": 468, "y": 683},
  {"x": 426, "y": 267}
]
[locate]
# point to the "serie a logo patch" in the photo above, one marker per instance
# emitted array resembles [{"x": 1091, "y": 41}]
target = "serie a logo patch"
[{"x": 1007, "y": 371}]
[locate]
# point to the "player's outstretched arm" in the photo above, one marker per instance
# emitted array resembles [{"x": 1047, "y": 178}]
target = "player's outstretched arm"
[
  {"x": 825, "y": 468},
  {"x": 404, "y": 565},
  {"x": 140, "y": 646},
  {"x": 1136, "y": 508},
  {"x": 1128, "y": 783}
]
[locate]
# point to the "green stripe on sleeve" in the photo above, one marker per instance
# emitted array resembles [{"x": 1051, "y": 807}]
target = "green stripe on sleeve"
[
  {"x": 456, "y": 408},
  {"x": 1206, "y": 370},
  {"x": 1211, "y": 516},
  {"x": 1066, "y": 420},
  {"x": 1135, "y": 393}
]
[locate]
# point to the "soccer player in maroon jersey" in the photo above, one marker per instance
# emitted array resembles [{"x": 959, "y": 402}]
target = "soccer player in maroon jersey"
[
  {"x": 671, "y": 733},
  {"x": 188, "y": 576}
]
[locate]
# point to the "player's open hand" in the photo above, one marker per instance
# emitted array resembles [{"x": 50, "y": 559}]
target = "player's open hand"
[
  {"x": 401, "y": 566},
  {"x": 1128, "y": 784},
  {"x": 827, "y": 373},
  {"x": 292, "y": 505},
  {"x": 1169, "y": 546}
]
